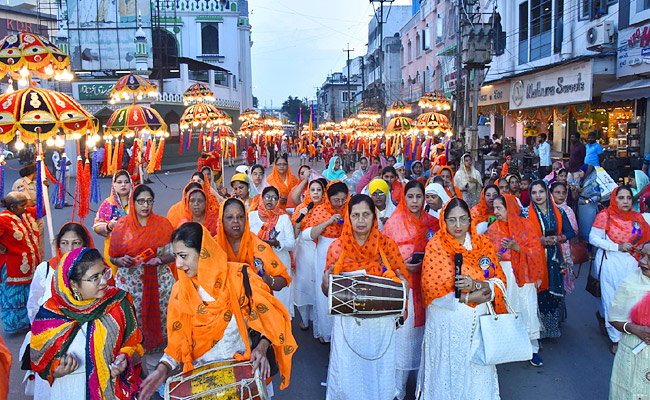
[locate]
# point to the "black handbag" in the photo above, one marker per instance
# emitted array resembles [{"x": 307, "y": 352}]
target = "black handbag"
[{"x": 593, "y": 283}]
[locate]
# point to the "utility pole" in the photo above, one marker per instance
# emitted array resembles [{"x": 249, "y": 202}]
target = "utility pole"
[
  {"x": 380, "y": 54},
  {"x": 348, "y": 50}
]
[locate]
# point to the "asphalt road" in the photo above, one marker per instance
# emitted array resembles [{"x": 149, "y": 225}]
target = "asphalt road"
[{"x": 576, "y": 365}]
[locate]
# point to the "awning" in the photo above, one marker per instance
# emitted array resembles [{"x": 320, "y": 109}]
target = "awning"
[
  {"x": 628, "y": 91},
  {"x": 447, "y": 51}
]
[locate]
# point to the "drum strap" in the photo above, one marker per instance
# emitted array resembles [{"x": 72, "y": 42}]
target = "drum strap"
[
  {"x": 247, "y": 286},
  {"x": 383, "y": 260}
]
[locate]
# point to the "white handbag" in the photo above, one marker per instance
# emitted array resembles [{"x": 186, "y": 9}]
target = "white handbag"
[{"x": 500, "y": 338}]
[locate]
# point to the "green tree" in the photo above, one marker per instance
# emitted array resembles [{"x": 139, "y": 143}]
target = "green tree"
[{"x": 292, "y": 107}]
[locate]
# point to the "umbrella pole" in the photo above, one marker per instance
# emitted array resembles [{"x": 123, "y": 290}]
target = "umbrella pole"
[
  {"x": 48, "y": 210},
  {"x": 140, "y": 171}
]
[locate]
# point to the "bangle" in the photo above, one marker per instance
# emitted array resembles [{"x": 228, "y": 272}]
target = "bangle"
[
  {"x": 466, "y": 297},
  {"x": 272, "y": 281},
  {"x": 108, "y": 229},
  {"x": 625, "y": 328}
]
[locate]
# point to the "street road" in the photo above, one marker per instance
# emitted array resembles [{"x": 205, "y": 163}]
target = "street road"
[{"x": 576, "y": 366}]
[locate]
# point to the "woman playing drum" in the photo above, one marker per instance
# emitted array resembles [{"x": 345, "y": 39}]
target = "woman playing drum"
[
  {"x": 362, "y": 344},
  {"x": 215, "y": 309}
]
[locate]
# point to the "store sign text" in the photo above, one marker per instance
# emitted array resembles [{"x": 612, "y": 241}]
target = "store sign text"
[{"x": 633, "y": 53}]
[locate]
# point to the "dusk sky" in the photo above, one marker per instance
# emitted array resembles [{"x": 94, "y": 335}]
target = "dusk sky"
[{"x": 297, "y": 43}]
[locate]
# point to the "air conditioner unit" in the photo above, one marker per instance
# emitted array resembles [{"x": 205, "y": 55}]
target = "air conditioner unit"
[{"x": 600, "y": 34}]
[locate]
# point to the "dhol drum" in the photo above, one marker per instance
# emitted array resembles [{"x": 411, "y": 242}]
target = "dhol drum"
[
  {"x": 223, "y": 380},
  {"x": 366, "y": 296}
]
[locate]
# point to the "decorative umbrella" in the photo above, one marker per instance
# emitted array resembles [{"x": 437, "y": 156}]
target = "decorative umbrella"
[
  {"x": 398, "y": 107},
  {"x": 434, "y": 100},
  {"x": 24, "y": 53},
  {"x": 198, "y": 92},
  {"x": 134, "y": 119},
  {"x": 399, "y": 125},
  {"x": 131, "y": 87},
  {"x": 368, "y": 113},
  {"x": 433, "y": 122},
  {"x": 249, "y": 114},
  {"x": 33, "y": 111},
  {"x": 205, "y": 115}
]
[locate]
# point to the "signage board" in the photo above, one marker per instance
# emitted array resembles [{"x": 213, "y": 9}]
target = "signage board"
[{"x": 633, "y": 55}]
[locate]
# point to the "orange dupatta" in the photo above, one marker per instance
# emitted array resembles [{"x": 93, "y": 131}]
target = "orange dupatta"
[
  {"x": 529, "y": 264},
  {"x": 305, "y": 202},
  {"x": 210, "y": 220},
  {"x": 623, "y": 226},
  {"x": 271, "y": 220},
  {"x": 324, "y": 211},
  {"x": 252, "y": 250},
  {"x": 481, "y": 212},
  {"x": 410, "y": 235},
  {"x": 438, "y": 270},
  {"x": 275, "y": 180},
  {"x": 456, "y": 192},
  {"x": 194, "y": 326}
]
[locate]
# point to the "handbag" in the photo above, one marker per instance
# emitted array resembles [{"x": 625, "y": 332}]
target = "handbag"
[
  {"x": 579, "y": 252},
  {"x": 593, "y": 283},
  {"x": 500, "y": 338}
]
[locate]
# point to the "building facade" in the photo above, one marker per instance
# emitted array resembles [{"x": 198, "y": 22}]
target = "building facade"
[{"x": 335, "y": 98}]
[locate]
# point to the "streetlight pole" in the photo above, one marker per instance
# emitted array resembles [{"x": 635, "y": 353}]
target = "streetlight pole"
[{"x": 348, "y": 50}]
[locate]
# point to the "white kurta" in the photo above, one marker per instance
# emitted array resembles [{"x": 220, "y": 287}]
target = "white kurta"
[
  {"x": 613, "y": 268},
  {"x": 362, "y": 359},
  {"x": 73, "y": 385},
  {"x": 287, "y": 244},
  {"x": 303, "y": 283},
  {"x": 408, "y": 348},
  {"x": 322, "y": 321}
]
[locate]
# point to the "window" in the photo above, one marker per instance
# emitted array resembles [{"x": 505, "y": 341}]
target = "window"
[
  {"x": 209, "y": 39},
  {"x": 540, "y": 29},
  {"x": 523, "y": 32},
  {"x": 346, "y": 96},
  {"x": 401, "y": 55},
  {"x": 426, "y": 38},
  {"x": 642, "y": 5},
  {"x": 417, "y": 44},
  {"x": 594, "y": 9},
  {"x": 559, "y": 26},
  {"x": 410, "y": 48},
  {"x": 440, "y": 28}
]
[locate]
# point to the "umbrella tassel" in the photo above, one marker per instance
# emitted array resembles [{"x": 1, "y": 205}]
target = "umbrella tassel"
[
  {"x": 95, "y": 190},
  {"x": 189, "y": 140},
  {"x": 180, "y": 147},
  {"x": 84, "y": 203},
  {"x": 134, "y": 157},
  {"x": 39, "y": 187},
  {"x": 106, "y": 157},
  {"x": 201, "y": 140},
  {"x": 159, "y": 153},
  {"x": 2, "y": 179},
  {"x": 60, "y": 199},
  {"x": 120, "y": 155},
  {"x": 211, "y": 139},
  {"x": 116, "y": 152},
  {"x": 151, "y": 162}
]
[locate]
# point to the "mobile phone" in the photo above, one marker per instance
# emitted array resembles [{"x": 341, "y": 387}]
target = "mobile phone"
[{"x": 417, "y": 258}]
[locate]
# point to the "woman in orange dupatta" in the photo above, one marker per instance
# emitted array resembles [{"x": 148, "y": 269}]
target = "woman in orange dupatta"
[
  {"x": 362, "y": 247},
  {"x": 177, "y": 212},
  {"x": 522, "y": 260},
  {"x": 323, "y": 227},
  {"x": 243, "y": 246},
  {"x": 303, "y": 255},
  {"x": 411, "y": 228},
  {"x": 483, "y": 212},
  {"x": 216, "y": 306},
  {"x": 446, "y": 173},
  {"x": 446, "y": 366},
  {"x": 199, "y": 207},
  {"x": 617, "y": 232},
  {"x": 282, "y": 179},
  {"x": 140, "y": 247},
  {"x": 5, "y": 368}
]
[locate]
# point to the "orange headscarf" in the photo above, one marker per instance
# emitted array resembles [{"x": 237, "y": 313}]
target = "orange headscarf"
[
  {"x": 275, "y": 179},
  {"x": 211, "y": 219},
  {"x": 456, "y": 192},
  {"x": 481, "y": 212},
  {"x": 54, "y": 261},
  {"x": 305, "y": 202},
  {"x": 324, "y": 211},
  {"x": 438, "y": 270},
  {"x": 176, "y": 212},
  {"x": 194, "y": 326},
  {"x": 271, "y": 221},
  {"x": 532, "y": 214},
  {"x": 378, "y": 256},
  {"x": 622, "y": 226},
  {"x": 252, "y": 250},
  {"x": 5, "y": 368},
  {"x": 529, "y": 264},
  {"x": 411, "y": 235}
]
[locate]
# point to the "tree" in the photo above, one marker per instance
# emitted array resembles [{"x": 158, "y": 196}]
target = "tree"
[
  {"x": 256, "y": 102},
  {"x": 292, "y": 107}
]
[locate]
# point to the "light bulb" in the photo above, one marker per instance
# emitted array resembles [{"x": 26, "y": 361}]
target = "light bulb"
[
  {"x": 19, "y": 144},
  {"x": 59, "y": 142},
  {"x": 24, "y": 72},
  {"x": 49, "y": 70},
  {"x": 22, "y": 82},
  {"x": 49, "y": 142}
]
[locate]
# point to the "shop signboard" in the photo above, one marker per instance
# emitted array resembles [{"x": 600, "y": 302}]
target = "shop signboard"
[
  {"x": 570, "y": 84},
  {"x": 633, "y": 55},
  {"x": 94, "y": 91},
  {"x": 494, "y": 94}
]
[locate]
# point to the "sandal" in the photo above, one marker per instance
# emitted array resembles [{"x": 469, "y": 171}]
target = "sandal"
[
  {"x": 303, "y": 327},
  {"x": 321, "y": 340}
]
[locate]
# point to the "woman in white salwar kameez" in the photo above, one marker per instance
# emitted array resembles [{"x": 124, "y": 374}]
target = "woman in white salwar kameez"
[
  {"x": 363, "y": 351},
  {"x": 272, "y": 224},
  {"x": 305, "y": 253},
  {"x": 323, "y": 228},
  {"x": 617, "y": 231},
  {"x": 469, "y": 181},
  {"x": 446, "y": 371}
]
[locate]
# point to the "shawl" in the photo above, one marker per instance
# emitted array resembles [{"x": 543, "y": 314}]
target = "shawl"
[
  {"x": 252, "y": 250},
  {"x": 54, "y": 261},
  {"x": 456, "y": 192},
  {"x": 413, "y": 175},
  {"x": 275, "y": 179},
  {"x": 623, "y": 226},
  {"x": 330, "y": 174},
  {"x": 305, "y": 202},
  {"x": 210, "y": 220},
  {"x": 111, "y": 206},
  {"x": 461, "y": 179},
  {"x": 323, "y": 212},
  {"x": 20, "y": 236},
  {"x": 372, "y": 173},
  {"x": 439, "y": 271},
  {"x": 411, "y": 235},
  {"x": 112, "y": 329},
  {"x": 194, "y": 326},
  {"x": 641, "y": 182},
  {"x": 378, "y": 256},
  {"x": 481, "y": 212},
  {"x": 528, "y": 264},
  {"x": 271, "y": 217},
  {"x": 131, "y": 238},
  {"x": 630, "y": 298},
  {"x": 589, "y": 183}
]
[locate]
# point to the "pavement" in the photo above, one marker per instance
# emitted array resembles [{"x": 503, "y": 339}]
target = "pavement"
[{"x": 576, "y": 365}]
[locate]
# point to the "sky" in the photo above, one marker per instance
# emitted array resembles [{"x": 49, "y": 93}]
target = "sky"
[{"x": 297, "y": 43}]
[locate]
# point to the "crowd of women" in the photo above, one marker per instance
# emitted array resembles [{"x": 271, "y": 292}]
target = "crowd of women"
[{"x": 224, "y": 272}]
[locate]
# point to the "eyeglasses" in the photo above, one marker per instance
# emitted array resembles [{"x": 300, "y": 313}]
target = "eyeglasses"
[
  {"x": 142, "y": 202},
  {"x": 338, "y": 201},
  {"x": 98, "y": 278},
  {"x": 269, "y": 197},
  {"x": 464, "y": 221},
  {"x": 378, "y": 194}
]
